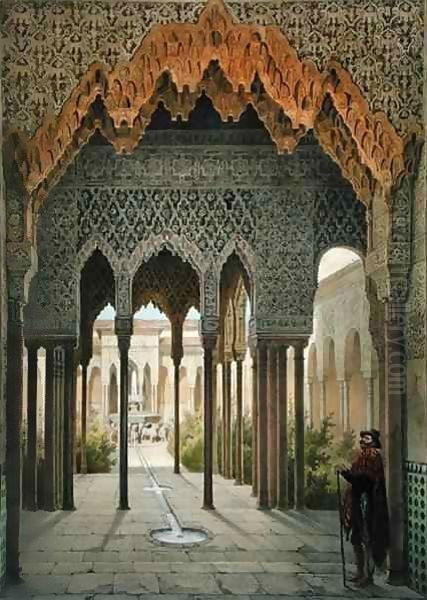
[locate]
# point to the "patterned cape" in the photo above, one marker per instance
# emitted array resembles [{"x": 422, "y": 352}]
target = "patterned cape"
[{"x": 365, "y": 504}]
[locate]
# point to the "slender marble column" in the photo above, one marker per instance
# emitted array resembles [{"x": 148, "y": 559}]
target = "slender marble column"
[
  {"x": 299, "y": 426},
  {"x": 49, "y": 432},
  {"x": 262, "y": 426},
  {"x": 346, "y": 405},
  {"x": 310, "y": 393},
  {"x": 227, "y": 420},
  {"x": 395, "y": 399},
  {"x": 282, "y": 428},
  {"x": 31, "y": 474},
  {"x": 68, "y": 424},
  {"x": 322, "y": 399},
  {"x": 254, "y": 424},
  {"x": 14, "y": 375},
  {"x": 214, "y": 412},
  {"x": 59, "y": 403},
  {"x": 208, "y": 346},
  {"x": 83, "y": 463},
  {"x": 369, "y": 402},
  {"x": 176, "y": 468},
  {"x": 272, "y": 427},
  {"x": 224, "y": 419},
  {"x": 124, "y": 345},
  {"x": 239, "y": 423}
]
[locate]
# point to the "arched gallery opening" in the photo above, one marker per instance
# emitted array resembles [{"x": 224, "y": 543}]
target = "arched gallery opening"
[
  {"x": 208, "y": 158},
  {"x": 342, "y": 381}
]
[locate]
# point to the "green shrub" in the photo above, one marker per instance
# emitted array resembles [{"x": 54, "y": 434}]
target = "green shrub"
[
  {"x": 191, "y": 443},
  {"x": 100, "y": 452},
  {"x": 321, "y": 457}
]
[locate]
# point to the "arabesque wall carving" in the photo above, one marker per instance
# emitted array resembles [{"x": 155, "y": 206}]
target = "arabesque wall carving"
[
  {"x": 281, "y": 227},
  {"x": 257, "y": 65}
]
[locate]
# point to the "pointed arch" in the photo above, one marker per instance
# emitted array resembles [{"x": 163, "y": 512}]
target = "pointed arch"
[
  {"x": 87, "y": 250},
  {"x": 177, "y": 245}
]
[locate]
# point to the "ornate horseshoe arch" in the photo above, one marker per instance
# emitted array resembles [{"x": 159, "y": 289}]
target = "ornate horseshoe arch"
[
  {"x": 234, "y": 64},
  {"x": 96, "y": 243},
  {"x": 244, "y": 252},
  {"x": 177, "y": 245}
]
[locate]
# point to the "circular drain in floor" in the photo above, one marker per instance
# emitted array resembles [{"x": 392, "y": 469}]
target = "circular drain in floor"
[{"x": 186, "y": 536}]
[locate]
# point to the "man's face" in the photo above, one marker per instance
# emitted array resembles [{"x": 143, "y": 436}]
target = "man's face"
[{"x": 366, "y": 441}]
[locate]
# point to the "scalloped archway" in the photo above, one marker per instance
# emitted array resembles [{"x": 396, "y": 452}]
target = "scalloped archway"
[{"x": 253, "y": 63}]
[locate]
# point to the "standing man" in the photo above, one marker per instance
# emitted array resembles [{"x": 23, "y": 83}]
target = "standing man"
[{"x": 365, "y": 507}]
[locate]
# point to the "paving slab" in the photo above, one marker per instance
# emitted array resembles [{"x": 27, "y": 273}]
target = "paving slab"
[
  {"x": 241, "y": 583},
  {"x": 91, "y": 583},
  {"x": 281, "y": 583},
  {"x": 188, "y": 584},
  {"x": 136, "y": 584},
  {"x": 100, "y": 553}
]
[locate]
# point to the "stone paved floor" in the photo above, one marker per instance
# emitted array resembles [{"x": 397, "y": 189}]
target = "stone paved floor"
[{"x": 99, "y": 553}]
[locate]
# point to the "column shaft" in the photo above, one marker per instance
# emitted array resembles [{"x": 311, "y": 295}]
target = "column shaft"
[
  {"x": 124, "y": 344},
  {"x": 68, "y": 424},
  {"x": 239, "y": 423},
  {"x": 282, "y": 428},
  {"x": 223, "y": 419},
  {"x": 262, "y": 427},
  {"x": 214, "y": 414},
  {"x": 395, "y": 397},
  {"x": 49, "y": 432},
  {"x": 14, "y": 375},
  {"x": 254, "y": 426},
  {"x": 369, "y": 402},
  {"x": 227, "y": 420},
  {"x": 59, "y": 447},
  {"x": 83, "y": 458},
  {"x": 31, "y": 472},
  {"x": 177, "y": 417},
  {"x": 310, "y": 385},
  {"x": 272, "y": 427},
  {"x": 208, "y": 470},
  {"x": 299, "y": 427}
]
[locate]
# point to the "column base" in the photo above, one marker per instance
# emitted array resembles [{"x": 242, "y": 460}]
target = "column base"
[
  {"x": 177, "y": 470},
  {"x": 68, "y": 507},
  {"x": 208, "y": 506},
  {"x": 123, "y": 507},
  {"x": 397, "y": 578},
  {"x": 13, "y": 578},
  {"x": 238, "y": 482}
]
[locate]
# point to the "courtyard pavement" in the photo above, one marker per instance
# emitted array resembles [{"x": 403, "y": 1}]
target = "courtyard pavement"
[{"x": 100, "y": 553}]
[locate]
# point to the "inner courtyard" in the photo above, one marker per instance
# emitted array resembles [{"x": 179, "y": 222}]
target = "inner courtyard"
[{"x": 244, "y": 172}]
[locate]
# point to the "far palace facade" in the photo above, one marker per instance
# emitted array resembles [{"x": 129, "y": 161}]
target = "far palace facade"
[{"x": 200, "y": 155}]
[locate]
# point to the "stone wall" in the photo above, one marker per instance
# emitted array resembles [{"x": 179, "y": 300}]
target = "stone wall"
[
  {"x": 3, "y": 336},
  {"x": 416, "y": 328}
]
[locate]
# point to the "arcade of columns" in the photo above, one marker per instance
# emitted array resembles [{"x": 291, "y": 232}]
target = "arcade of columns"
[{"x": 278, "y": 236}]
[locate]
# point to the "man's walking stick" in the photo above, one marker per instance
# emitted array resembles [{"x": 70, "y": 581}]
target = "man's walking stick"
[{"x": 340, "y": 508}]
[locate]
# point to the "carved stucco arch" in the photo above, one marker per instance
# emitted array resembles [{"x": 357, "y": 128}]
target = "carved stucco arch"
[
  {"x": 176, "y": 244},
  {"x": 247, "y": 257},
  {"x": 96, "y": 243},
  {"x": 244, "y": 52}
]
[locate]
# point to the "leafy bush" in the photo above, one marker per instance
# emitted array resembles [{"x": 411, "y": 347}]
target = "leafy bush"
[
  {"x": 100, "y": 452},
  {"x": 191, "y": 443},
  {"x": 321, "y": 457}
]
